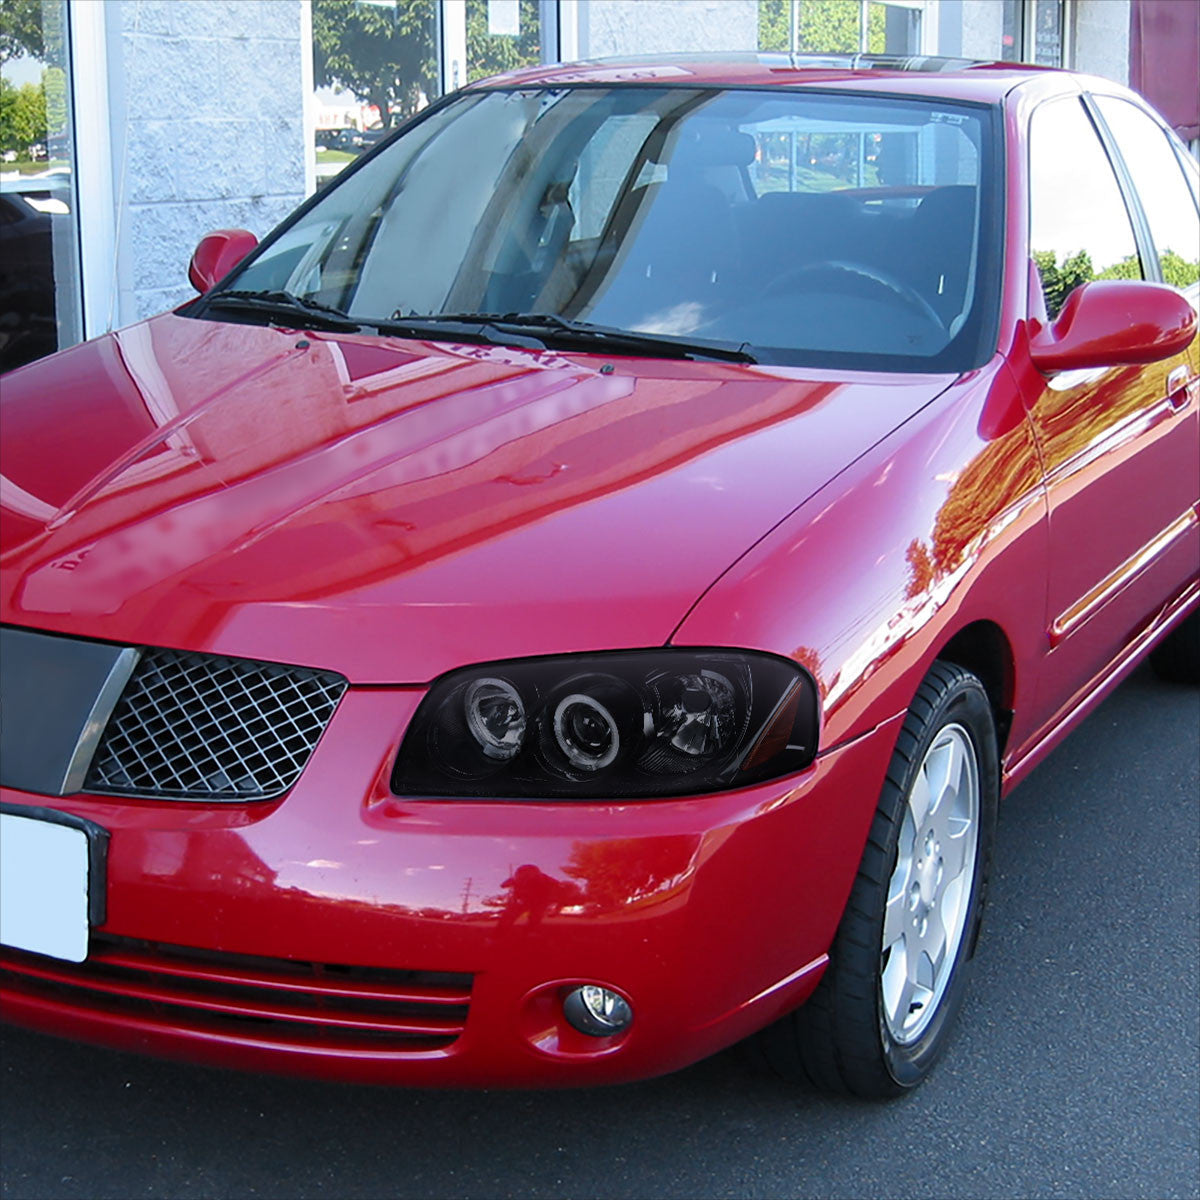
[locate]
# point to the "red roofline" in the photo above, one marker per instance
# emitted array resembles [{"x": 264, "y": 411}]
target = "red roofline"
[{"x": 918, "y": 75}]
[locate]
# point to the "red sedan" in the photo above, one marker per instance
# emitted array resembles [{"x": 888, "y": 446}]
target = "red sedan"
[{"x": 575, "y": 595}]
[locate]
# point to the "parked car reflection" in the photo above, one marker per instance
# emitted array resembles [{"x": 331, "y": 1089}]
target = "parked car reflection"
[{"x": 27, "y": 316}]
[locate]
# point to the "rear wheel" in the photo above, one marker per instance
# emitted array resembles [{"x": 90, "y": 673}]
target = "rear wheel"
[
  {"x": 882, "y": 1014},
  {"x": 1177, "y": 657}
]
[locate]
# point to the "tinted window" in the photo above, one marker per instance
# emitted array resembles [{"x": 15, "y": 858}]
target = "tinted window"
[
  {"x": 685, "y": 212},
  {"x": 1079, "y": 225},
  {"x": 1166, "y": 198}
]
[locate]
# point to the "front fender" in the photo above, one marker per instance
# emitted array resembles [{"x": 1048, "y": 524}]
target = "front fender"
[{"x": 941, "y": 524}]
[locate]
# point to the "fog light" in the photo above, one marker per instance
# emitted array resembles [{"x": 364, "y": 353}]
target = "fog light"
[{"x": 597, "y": 1011}]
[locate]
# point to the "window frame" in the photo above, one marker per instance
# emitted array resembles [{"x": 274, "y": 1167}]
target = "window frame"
[{"x": 1140, "y": 227}]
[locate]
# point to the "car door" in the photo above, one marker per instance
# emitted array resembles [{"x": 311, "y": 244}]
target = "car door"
[{"x": 1118, "y": 445}]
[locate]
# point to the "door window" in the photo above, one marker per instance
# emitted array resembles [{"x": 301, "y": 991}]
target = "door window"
[
  {"x": 1079, "y": 225},
  {"x": 1164, "y": 191}
]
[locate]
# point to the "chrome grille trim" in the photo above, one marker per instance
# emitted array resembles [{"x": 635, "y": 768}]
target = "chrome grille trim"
[{"x": 207, "y": 727}]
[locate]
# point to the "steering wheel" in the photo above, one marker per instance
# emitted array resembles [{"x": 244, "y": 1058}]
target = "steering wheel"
[{"x": 853, "y": 279}]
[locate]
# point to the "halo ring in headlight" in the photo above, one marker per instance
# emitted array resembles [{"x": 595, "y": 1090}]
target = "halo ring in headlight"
[
  {"x": 586, "y": 732},
  {"x": 495, "y": 717}
]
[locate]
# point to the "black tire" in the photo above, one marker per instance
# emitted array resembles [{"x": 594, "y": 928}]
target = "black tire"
[
  {"x": 1177, "y": 657},
  {"x": 840, "y": 1041}
]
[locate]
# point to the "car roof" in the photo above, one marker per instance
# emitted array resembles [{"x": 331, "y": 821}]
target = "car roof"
[{"x": 923, "y": 75}]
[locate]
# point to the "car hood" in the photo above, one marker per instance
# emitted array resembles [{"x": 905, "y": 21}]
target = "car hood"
[{"x": 391, "y": 509}]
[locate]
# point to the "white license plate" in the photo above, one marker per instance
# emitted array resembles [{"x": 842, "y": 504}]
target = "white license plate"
[{"x": 44, "y": 870}]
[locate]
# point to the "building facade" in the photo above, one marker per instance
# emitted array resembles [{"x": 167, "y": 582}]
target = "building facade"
[{"x": 163, "y": 119}]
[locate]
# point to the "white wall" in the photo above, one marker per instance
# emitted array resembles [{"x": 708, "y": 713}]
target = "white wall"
[
  {"x": 982, "y": 29},
  {"x": 1102, "y": 38},
  {"x": 608, "y": 27},
  {"x": 207, "y": 121}
]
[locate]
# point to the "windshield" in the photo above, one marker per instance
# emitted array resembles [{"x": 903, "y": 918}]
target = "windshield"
[{"x": 808, "y": 228}]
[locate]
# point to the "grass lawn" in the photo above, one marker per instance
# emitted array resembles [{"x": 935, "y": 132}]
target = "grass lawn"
[{"x": 25, "y": 167}]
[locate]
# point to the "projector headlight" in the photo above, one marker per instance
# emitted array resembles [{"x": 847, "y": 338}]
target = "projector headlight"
[{"x": 625, "y": 725}]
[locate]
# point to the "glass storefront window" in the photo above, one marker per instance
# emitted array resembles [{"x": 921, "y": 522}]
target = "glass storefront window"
[
  {"x": 1048, "y": 33},
  {"x": 39, "y": 244},
  {"x": 1012, "y": 37},
  {"x": 893, "y": 29},
  {"x": 375, "y": 63},
  {"x": 839, "y": 26},
  {"x": 501, "y": 36},
  {"x": 1034, "y": 31}
]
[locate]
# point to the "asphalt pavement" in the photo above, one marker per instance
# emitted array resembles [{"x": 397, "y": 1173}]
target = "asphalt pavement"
[{"x": 1075, "y": 1070}]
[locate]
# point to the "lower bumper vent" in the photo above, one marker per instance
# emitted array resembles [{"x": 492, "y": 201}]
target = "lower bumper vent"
[{"x": 266, "y": 999}]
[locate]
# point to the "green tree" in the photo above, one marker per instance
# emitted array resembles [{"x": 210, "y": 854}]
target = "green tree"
[
  {"x": 1059, "y": 280},
  {"x": 824, "y": 26},
  {"x": 489, "y": 54},
  {"x": 22, "y": 115},
  {"x": 876, "y": 29},
  {"x": 385, "y": 53},
  {"x": 1178, "y": 271},
  {"x": 8, "y": 124},
  {"x": 774, "y": 25},
  {"x": 21, "y": 29},
  {"x": 30, "y": 114}
]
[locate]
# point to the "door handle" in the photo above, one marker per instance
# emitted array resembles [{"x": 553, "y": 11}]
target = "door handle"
[{"x": 1177, "y": 387}]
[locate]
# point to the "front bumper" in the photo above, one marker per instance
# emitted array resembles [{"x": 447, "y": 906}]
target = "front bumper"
[{"x": 344, "y": 932}]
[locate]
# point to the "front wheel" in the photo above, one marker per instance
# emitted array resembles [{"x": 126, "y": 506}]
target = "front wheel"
[{"x": 882, "y": 1014}]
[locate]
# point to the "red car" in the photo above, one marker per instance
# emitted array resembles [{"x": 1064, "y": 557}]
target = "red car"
[{"x": 574, "y": 596}]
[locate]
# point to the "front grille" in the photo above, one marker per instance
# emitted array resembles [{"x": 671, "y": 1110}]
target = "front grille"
[
  {"x": 274, "y": 1000},
  {"x": 204, "y": 727}
]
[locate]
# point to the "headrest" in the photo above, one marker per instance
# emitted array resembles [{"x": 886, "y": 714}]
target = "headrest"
[{"x": 956, "y": 201}]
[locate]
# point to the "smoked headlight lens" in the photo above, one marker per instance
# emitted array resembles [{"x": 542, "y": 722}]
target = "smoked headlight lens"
[{"x": 625, "y": 725}]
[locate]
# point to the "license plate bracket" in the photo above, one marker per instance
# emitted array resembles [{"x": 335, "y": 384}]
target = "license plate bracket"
[{"x": 52, "y": 880}]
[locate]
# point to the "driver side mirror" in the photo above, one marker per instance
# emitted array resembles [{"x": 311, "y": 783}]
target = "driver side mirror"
[
  {"x": 1114, "y": 323},
  {"x": 217, "y": 254}
]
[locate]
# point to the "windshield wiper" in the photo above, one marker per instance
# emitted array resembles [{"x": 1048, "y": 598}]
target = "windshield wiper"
[
  {"x": 285, "y": 304},
  {"x": 552, "y": 329},
  {"x": 534, "y": 331},
  {"x": 472, "y": 327}
]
